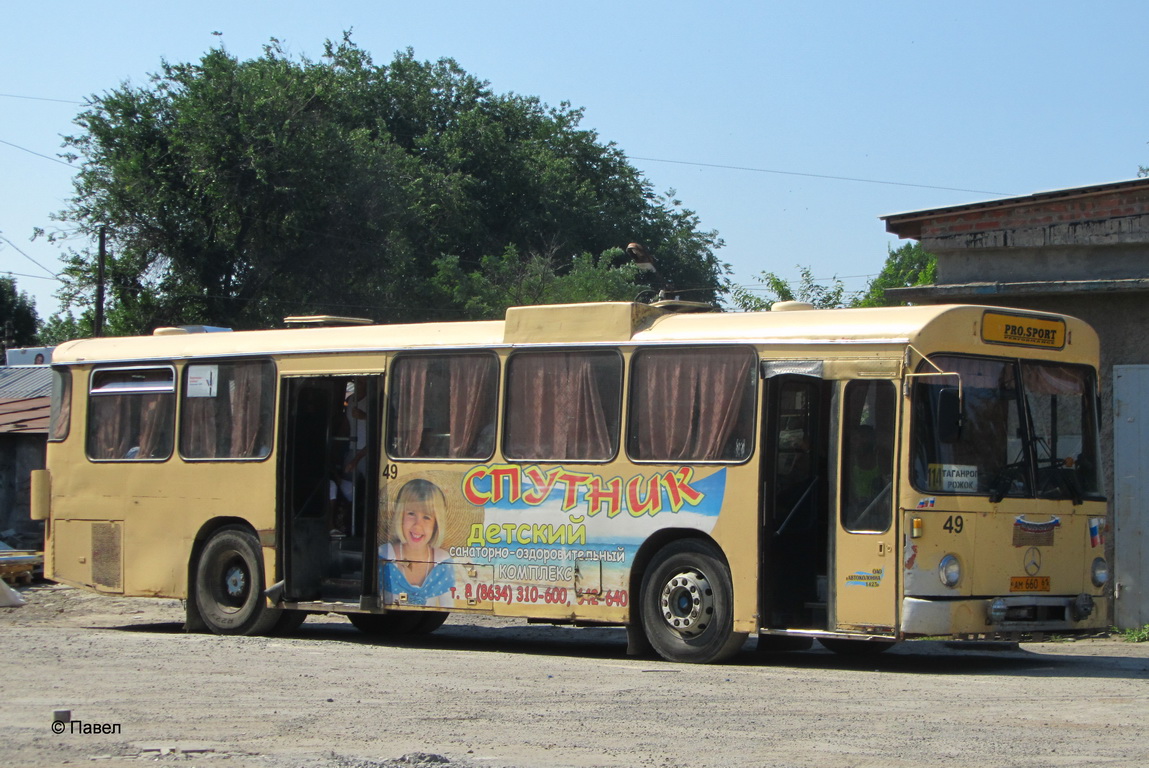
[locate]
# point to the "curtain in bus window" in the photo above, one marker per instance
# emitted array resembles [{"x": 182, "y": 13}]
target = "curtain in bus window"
[
  {"x": 197, "y": 428},
  {"x": 1060, "y": 405},
  {"x": 563, "y": 406},
  {"x": 687, "y": 404},
  {"x": 410, "y": 385},
  {"x": 109, "y": 427},
  {"x": 250, "y": 400},
  {"x": 132, "y": 427},
  {"x": 226, "y": 411},
  {"x": 472, "y": 406},
  {"x": 156, "y": 428},
  {"x": 61, "y": 413}
]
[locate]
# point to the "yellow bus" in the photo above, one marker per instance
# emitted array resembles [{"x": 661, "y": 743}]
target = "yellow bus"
[{"x": 856, "y": 476}]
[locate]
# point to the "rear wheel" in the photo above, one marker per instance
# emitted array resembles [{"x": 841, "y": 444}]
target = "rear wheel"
[
  {"x": 856, "y": 647},
  {"x": 398, "y": 623},
  {"x": 229, "y": 585},
  {"x": 289, "y": 621},
  {"x": 687, "y": 604}
]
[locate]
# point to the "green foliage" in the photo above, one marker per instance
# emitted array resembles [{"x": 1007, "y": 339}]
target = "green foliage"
[
  {"x": 830, "y": 296},
  {"x": 904, "y": 267},
  {"x": 512, "y": 279},
  {"x": 18, "y": 318},
  {"x": 237, "y": 192},
  {"x": 1137, "y": 634},
  {"x": 62, "y": 327},
  {"x": 907, "y": 266}
]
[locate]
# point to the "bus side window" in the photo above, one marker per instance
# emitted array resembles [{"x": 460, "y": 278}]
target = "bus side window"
[
  {"x": 692, "y": 404},
  {"x": 131, "y": 414},
  {"x": 60, "y": 422},
  {"x": 443, "y": 406},
  {"x": 227, "y": 410},
  {"x": 563, "y": 406},
  {"x": 867, "y": 455}
]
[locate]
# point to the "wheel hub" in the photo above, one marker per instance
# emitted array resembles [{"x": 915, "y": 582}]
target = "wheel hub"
[
  {"x": 687, "y": 603},
  {"x": 236, "y": 582}
]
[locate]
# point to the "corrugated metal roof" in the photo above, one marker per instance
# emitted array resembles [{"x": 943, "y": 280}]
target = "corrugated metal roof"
[
  {"x": 19, "y": 381},
  {"x": 25, "y": 398},
  {"x": 29, "y": 414}
]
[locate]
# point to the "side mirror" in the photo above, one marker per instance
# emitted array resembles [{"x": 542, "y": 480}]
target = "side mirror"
[{"x": 947, "y": 416}]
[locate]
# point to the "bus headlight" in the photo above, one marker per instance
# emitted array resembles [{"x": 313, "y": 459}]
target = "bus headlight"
[
  {"x": 1099, "y": 573},
  {"x": 949, "y": 571}
]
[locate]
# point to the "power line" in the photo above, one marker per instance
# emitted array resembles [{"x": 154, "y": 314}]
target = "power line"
[
  {"x": 34, "y": 277},
  {"x": 820, "y": 176},
  {"x": 37, "y": 154},
  {"x": 29, "y": 258},
  {"x": 38, "y": 98}
]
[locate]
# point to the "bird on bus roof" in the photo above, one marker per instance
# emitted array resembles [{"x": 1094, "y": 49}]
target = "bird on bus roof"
[{"x": 638, "y": 254}]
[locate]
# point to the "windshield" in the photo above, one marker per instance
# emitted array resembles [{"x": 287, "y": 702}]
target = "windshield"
[{"x": 1029, "y": 429}]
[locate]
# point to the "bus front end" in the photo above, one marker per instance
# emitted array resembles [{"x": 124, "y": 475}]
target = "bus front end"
[{"x": 1004, "y": 516}]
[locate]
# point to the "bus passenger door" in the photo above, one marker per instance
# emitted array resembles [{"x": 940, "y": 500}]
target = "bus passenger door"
[
  {"x": 795, "y": 538},
  {"x": 866, "y": 566},
  {"x": 328, "y": 487}
]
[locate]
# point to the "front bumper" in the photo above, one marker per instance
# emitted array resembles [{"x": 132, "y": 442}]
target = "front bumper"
[{"x": 1016, "y": 614}]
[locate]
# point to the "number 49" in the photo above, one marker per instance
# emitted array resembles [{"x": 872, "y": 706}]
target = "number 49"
[{"x": 954, "y": 524}]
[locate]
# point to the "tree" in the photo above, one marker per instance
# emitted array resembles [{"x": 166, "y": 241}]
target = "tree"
[
  {"x": 809, "y": 290},
  {"x": 238, "y": 192},
  {"x": 18, "y": 318},
  {"x": 907, "y": 266}
]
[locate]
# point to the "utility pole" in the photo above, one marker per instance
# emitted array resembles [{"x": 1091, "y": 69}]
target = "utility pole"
[{"x": 98, "y": 322}]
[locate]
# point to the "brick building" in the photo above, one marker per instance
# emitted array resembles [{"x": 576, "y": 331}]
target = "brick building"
[{"x": 1083, "y": 252}]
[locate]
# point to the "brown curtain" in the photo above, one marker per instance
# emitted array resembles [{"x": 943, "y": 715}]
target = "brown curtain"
[
  {"x": 110, "y": 424},
  {"x": 63, "y": 416},
  {"x": 248, "y": 394},
  {"x": 411, "y": 386},
  {"x": 555, "y": 410},
  {"x": 198, "y": 428},
  {"x": 687, "y": 403},
  {"x": 471, "y": 407},
  {"x": 1053, "y": 379},
  {"x": 156, "y": 425}
]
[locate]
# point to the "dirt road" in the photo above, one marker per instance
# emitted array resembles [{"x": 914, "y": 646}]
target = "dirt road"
[{"x": 500, "y": 693}]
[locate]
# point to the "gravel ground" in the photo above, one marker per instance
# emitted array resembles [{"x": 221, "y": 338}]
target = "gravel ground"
[{"x": 500, "y": 693}]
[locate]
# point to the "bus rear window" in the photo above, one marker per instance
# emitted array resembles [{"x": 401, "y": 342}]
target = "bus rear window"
[
  {"x": 131, "y": 414},
  {"x": 692, "y": 404}
]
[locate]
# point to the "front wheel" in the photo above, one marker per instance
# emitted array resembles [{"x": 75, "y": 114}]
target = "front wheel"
[
  {"x": 687, "y": 604},
  {"x": 229, "y": 585}
]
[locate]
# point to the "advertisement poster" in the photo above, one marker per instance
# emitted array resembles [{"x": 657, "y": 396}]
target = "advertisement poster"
[{"x": 530, "y": 535}]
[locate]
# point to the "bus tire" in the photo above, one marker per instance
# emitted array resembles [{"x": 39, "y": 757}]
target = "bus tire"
[
  {"x": 429, "y": 621},
  {"x": 229, "y": 585},
  {"x": 390, "y": 624},
  {"x": 844, "y": 647},
  {"x": 687, "y": 604},
  {"x": 289, "y": 621}
]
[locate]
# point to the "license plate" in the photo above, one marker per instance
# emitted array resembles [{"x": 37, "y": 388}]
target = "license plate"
[{"x": 1029, "y": 584}]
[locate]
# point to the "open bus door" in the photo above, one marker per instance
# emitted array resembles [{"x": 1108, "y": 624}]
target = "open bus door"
[
  {"x": 795, "y": 483},
  {"x": 329, "y": 487},
  {"x": 864, "y": 587}
]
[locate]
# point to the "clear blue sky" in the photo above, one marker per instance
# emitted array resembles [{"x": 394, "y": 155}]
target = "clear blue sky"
[{"x": 943, "y": 102}]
